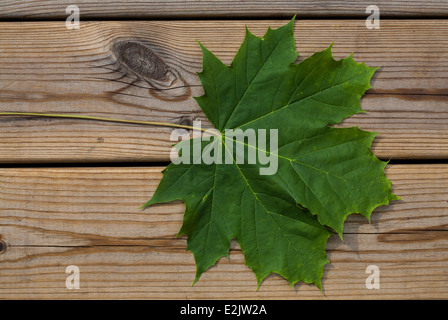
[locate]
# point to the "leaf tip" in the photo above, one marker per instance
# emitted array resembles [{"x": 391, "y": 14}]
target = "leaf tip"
[
  {"x": 319, "y": 285},
  {"x": 197, "y": 276},
  {"x": 292, "y": 284},
  {"x": 293, "y": 19},
  {"x": 259, "y": 281},
  {"x": 147, "y": 204},
  {"x": 203, "y": 49},
  {"x": 199, "y": 42},
  {"x": 247, "y": 29}
]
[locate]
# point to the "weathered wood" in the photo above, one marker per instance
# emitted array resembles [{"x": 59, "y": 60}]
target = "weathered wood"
[
  {"x": 53, "y": 9},
  {"x": 54, "y": 217},
  {"x": 46, "y": 68}
]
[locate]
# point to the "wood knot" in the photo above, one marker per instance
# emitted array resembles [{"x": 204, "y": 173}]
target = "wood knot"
[
  {"x": 165, "y": 82},
  {"x": 185, "y": 121},
  {"x": 2, "y": 246}
]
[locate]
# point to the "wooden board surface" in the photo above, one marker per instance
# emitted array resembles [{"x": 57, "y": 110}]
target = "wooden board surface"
[
  {"x": 46, "y": 68},
  {"x": 51, "y": 9},
  {"x": 89, "y": 217},
  {"x": 54, "y": 217}
]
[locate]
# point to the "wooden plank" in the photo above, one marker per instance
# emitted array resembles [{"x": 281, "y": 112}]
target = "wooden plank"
[
  {"x": 40, "y": 9},
  {"x": 46, "y": 68},
  {"x": 54, "y": 217}
]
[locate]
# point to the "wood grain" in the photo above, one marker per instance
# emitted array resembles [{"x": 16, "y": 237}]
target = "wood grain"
[
  {"x": 55, "y": 9},
  {"x": 54, "y": 217},
  {"x": 46, "y": 68}
]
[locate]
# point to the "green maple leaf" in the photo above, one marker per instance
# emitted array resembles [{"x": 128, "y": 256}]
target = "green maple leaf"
[{"x": 280, "y": 220}]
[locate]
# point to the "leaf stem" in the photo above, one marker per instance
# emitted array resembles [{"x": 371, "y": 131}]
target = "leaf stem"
[{"x": 151, "y": 123}]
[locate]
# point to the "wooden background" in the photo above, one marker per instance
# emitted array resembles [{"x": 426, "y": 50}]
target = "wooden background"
[{"x": 70, "y": 189}]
